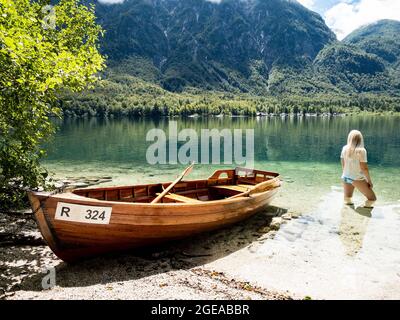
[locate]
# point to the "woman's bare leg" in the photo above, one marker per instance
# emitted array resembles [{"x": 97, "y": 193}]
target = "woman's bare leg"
[
  {"x": 366, "y": 190},
  {"x": 348, "y": 193},
  {"x": 348, "y": 190}
]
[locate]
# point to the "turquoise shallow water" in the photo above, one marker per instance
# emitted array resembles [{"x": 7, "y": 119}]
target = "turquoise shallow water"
[{"x": 304, "y": 150}]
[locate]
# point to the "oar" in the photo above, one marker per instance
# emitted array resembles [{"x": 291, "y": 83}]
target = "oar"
[{"x": 168, "y": 189}]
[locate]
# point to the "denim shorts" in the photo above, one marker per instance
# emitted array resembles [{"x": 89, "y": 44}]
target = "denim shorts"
[{"x": 348, "y": 180}]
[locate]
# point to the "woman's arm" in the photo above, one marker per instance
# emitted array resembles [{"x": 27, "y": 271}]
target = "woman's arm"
[
  {"x": 365, "y": 171},
  {"x": 342, "y": 161}
]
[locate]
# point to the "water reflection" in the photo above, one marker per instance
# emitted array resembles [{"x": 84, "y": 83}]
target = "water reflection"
[
  {"x": 353, "y": 226},
  {"x": 276, "y": 139}
]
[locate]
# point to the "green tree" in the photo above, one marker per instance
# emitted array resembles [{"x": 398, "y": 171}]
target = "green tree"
[{"x": 43, "y": 50}]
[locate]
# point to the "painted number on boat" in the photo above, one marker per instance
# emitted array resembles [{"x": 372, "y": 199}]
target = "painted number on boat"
[{"x": 83, "y": 214}]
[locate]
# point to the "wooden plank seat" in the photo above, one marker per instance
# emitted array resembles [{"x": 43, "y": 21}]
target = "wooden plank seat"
[
  {"x": 237, "y": 187},
  {"x": 180, "y": 198},
  {"x": 228, "y": 190},
  {"x": 235, "y": 190}
]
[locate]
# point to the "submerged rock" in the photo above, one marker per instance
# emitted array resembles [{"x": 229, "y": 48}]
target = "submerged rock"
[
  {"x": 264, "y": 229},
  {"x": 276, "y": 223},
  {"x": 286, "y": 216}
]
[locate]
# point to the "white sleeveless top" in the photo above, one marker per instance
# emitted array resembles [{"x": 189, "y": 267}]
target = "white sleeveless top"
[{"x": 352, "y": 167}]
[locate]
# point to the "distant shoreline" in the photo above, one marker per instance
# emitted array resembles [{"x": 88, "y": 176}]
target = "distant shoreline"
[{"x": 258, "y": 115}]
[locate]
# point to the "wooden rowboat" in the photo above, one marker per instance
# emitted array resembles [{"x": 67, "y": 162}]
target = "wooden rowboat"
[{"x": 88, "y": 222}]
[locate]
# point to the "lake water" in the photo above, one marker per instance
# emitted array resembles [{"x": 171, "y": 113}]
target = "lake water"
[
  {"x": 331, "y": 251},
  {"x": 304, "y": 150}
]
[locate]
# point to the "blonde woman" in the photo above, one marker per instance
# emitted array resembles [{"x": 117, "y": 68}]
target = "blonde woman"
[{"x": 355, "y": 170}]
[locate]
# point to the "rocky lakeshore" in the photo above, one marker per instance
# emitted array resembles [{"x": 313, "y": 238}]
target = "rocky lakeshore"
[{"x": 173, "y": 271}]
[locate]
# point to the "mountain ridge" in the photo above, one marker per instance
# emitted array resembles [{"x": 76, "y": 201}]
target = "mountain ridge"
[
  {"x": 264, "y": 47},
  {"x": 223, "y": 46}
]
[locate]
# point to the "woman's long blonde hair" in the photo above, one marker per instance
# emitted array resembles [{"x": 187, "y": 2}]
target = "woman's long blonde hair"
[{"x": 355, "y": 142}]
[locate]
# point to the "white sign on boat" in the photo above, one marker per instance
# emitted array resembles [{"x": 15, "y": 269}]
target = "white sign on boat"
[{"x": 84, "y": 214}]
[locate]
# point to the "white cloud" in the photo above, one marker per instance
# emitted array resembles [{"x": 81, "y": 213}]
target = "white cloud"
[
  {"x": 345, "y": 17},
  {"x": 111, "y": 1},
  {"x": 307, "y": 3}
]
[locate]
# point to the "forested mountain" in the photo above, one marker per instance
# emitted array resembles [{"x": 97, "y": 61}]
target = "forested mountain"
[
  {"x": 383, "y": 40},
  {"x": 261, "y": 48},
  {"x": 235, "y": 44}
]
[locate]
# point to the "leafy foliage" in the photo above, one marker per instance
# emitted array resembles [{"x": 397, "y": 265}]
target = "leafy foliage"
[{"x": 35, "y": 64}]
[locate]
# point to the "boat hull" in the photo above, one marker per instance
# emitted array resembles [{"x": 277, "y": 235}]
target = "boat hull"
[{"x": 134, "y": 225}]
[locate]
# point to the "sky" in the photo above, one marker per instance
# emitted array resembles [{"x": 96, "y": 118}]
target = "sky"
[{"x": 344, "y": 16}]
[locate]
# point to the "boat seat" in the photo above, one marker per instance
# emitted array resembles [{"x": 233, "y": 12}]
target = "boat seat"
[
  {"x": 180, "y": 198},
  {"x": 237, "y": 187}
]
